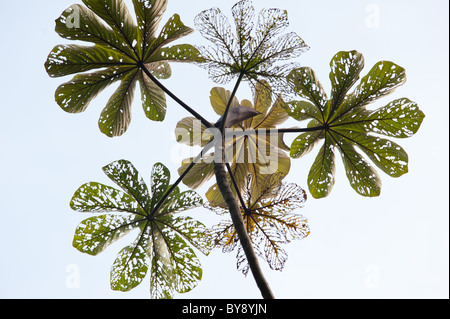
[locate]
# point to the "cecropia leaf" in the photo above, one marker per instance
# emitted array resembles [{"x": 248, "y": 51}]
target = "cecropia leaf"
[
  {"x": 120, "y": 52},
  {"x": 253, "y": 50},
  {"x": 269, "y": 220},
  {"x": 251, "y": 145},
  {"x": 164, "y": 241},
  {"x": 346, "y": 125}
]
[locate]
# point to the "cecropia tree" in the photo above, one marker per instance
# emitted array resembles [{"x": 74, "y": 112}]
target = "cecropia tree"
[{"x": 243, "y": 148}]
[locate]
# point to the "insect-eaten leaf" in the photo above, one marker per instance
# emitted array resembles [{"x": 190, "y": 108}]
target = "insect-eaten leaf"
[
  {"x": 346, "y": 125},
  {"x": 252, "y": 146},
  {"x": 253, "y": 50},
  {"x": 121, "y": 49},
  {"x": 165, "y": 242},
  {"x": 269, "y": 221}
]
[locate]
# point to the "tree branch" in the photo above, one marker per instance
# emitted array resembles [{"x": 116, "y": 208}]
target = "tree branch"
[
  {"x": 238, "y": 222},
  {"x": 233, "y": 180},
  {"x": 167, "y": 194},
  {"x": 233, "y": 206},
  {"x": 301, "y": 130},
  {"x": 173, "y": 96}
]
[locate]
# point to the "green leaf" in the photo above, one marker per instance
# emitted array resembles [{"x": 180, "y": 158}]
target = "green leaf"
[
  {"x": 115, "y": 13},
  {"x": 149, "y": 14},
  {"x": 153, "y": 98},
  {"x": 99, "y": 198},
  {"x": 162, "y": 283},
  {"x": 321, "y": 176},
  {"x": 400, "y": 118},
  {"x": 173, "y": 30},
  {"x": 345, "y": 70},
  {"x": 131, "y": 264},
  {"x": 181, "y": 202},
  {"x": 304, "y": 144},
  {"x": 121, "y": 50},
  {"x": 159, "y": 182},
  {"x": 277, "y": 115},
  {"x": 79, "y": 23},
  {"x": 124, "y": 174},
  {"x": 307, "y": 86},
  {"x": 362, "y": 177},
  {"x": 381, "y": 80},
  {"x": 75, "y": 95},
  {"x": 163, "y": 242},
  {"x": 302, "y": 110},
  {"x": 93, "y": 235},
  {"x": 345, "y": 123},
  {"x": 116, "y": 116},
  {"x": 192, "y": 230},
  {"x": 69, "y": 59},
  {"x": 177, "y": 53},
  {"x": 186, "y": 265},
  {"x": 387, "y": 155}
]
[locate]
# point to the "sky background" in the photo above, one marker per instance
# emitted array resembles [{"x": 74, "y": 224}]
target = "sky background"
[{"x": 393, "y": 246}]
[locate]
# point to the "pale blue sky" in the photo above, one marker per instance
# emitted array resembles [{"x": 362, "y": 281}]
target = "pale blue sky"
[{"x": 393, "y": 246}]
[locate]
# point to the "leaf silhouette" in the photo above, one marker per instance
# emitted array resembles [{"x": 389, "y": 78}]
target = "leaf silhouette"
[
  {"x": 164, "y": 243},
  {"x": 251, "y": 147},
  {"x": 253, "y": 49},
  {"x": 121, "y": 49},
  {"x": 269, "y": 221},
  {"x": 349, "y": 127}
]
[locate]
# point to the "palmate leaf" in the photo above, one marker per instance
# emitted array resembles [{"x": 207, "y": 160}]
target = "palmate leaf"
[
  {"x": 269, "y": 221},
  {"x": 164, "y": 243},
  {"x": 121, "y": 48},
  {"x": 253, "y": 50},
  {"x": 253, "y": 149},
  {"x": 345, "y": 124}
]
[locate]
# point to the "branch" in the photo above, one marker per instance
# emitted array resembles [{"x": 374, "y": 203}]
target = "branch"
[
  {"x": 301, "y": 130},
  {"x": 233, "y": 206},
  {"x": 238, "y": 222},
  {"x": 238, "y": 132},
  {"x": 167, "y": 194},
  {"x": 173, "y": 96},
  {"x": 227, "y": 109},
  {"x": 233, "y": 180}
]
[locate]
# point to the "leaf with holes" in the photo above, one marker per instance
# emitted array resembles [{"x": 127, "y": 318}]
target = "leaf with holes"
[
  {"x": 251, "y": 146},
  {"x": 345, "y": 124},
  {"x": 253, "y": 50},
  {"x": 164, "y": 243},
  {"x": 269, "y": 221},
  {"x": 121, "y": 49}
]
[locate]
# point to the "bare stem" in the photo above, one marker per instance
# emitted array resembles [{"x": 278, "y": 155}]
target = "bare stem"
[{"x": 238, "y": 222}]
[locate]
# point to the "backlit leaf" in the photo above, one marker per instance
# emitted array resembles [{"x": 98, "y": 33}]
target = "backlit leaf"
[
  {"x": 253, "y": 50},
  {"x": 164, "y": 242},
  {"x": 346, "y": 125},
  {"x": 120, "y": 51},
  {"x": 269, "y": 221},
  {"x": 251, "y": 148}
]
